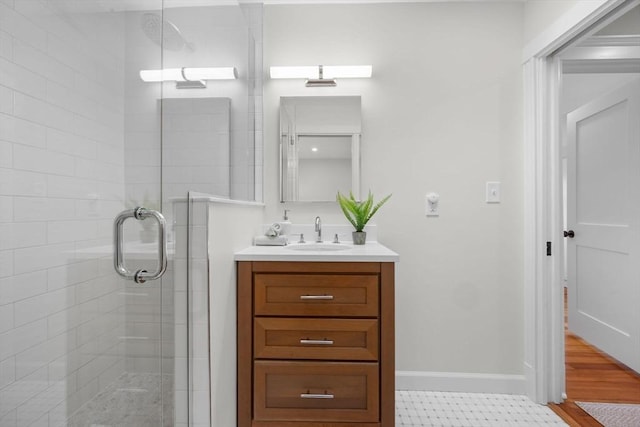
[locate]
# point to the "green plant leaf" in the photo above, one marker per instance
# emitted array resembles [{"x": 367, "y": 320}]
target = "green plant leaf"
[
  {"x": 378, "y": 206},
  {"x": 347, "y": 208},
  {"x": 359, "y": 213}
]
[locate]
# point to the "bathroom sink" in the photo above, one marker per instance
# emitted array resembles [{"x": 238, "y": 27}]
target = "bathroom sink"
[{"x": 323, "y": 247}]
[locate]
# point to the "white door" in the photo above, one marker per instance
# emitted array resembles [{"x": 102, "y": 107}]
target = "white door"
[{"x": 603, "y": 211}]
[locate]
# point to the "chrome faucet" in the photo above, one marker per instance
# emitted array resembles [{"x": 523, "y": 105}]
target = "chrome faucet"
[{"x": 318, "y": 230}]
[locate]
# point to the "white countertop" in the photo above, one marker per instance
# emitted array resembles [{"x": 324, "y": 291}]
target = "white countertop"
[{"x": 369, "y": 252}]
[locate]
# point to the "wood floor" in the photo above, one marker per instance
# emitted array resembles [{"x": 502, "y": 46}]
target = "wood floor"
[{"x": 592, "y": 376}]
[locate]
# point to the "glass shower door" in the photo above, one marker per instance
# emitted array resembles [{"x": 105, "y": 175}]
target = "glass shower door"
[
  {"x": 152, "y": 312},
  {"x": 84, "y": 137},
  {"x": 80, "y": 142}
]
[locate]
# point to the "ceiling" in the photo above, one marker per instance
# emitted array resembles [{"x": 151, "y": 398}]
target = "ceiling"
[
  {"x": 627, "y": 24},
  {"x": 370, "y": 1},
  {"x": 87, "y": 6}
]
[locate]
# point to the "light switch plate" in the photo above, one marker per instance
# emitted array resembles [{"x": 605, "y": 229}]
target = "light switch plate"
[{"x": 493, "y": 192}]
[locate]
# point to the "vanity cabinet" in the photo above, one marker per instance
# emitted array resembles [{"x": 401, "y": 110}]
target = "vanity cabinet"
[{"x": 316, "y": 344}]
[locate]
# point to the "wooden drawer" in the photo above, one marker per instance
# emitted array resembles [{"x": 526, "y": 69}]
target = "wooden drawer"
[
  {"x": 315, "y": 339},
  {"x": 316, "y": 391},
  {"x": 319, "y": 295}
]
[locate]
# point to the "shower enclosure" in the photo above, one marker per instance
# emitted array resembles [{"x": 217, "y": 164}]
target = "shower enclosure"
[{"x": 86, "y": 135}]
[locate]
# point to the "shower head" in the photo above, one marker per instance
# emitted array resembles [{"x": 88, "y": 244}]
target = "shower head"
[{"x": 163, "y": 33}]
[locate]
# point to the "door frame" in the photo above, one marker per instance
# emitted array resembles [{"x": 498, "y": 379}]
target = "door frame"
[{"x": 543, "y": 275}]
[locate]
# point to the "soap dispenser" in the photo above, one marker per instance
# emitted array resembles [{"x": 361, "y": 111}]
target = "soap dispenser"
[{"x": 285, "y": 224}]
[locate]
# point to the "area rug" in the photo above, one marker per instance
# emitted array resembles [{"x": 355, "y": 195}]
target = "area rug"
[{"x": 613, "y": 414}]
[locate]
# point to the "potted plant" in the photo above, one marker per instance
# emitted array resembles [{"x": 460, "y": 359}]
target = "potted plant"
[{"x": 359, "y": 213}]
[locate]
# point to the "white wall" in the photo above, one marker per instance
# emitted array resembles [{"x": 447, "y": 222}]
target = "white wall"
[
  {"x": 547, "y": 20},
  {"x": 441, "y": 113},
  {"x": 539, "y": 14},
  {"x": 231, "y": 227}
]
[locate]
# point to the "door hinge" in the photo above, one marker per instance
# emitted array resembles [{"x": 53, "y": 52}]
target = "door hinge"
[{"x": 548, "y": 248}]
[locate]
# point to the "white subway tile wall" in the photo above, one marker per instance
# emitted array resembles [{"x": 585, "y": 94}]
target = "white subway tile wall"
[
  {"x": 79, "y": 142},
  {"x": 61, "y": 162},
  {"x": 196, "y": 138}
]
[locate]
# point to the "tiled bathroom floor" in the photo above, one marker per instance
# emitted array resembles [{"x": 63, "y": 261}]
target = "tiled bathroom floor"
[
  {"x": 439, "y": 409},
  {"x": 413, "y": 408},
  {"x": 133, "y": 400}
]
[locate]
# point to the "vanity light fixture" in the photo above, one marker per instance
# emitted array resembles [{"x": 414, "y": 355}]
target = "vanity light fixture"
[
  {"x": 321, "y": 75},
  {"x": 189, "y": 78}
]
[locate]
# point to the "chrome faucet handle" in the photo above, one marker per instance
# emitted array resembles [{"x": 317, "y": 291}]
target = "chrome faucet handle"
[
  {"x": 301, "y": 238},
  {"x": 318, "y": 230},
  {"x": 335, "y": 239}
]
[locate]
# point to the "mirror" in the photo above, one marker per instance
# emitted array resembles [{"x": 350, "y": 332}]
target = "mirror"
[{"x": 319, "y": 147}]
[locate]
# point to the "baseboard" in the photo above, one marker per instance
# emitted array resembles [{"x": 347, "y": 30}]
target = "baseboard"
[{"x": 461, "y": 382}]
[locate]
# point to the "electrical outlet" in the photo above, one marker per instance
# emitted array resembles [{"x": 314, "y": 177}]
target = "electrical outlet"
[{"x": 432, "y": 200}]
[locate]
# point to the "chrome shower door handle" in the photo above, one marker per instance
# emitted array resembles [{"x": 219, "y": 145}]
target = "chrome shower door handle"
[{"x": 140, "y": 214}]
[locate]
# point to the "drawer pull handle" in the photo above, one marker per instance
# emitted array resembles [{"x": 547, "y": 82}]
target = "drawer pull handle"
[
  {"x": 318, "y": 342},
  {"x": 316, "y": 297},
  {"x": 316, "y": 396}
]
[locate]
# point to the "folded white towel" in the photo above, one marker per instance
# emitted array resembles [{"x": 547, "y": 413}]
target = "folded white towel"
[
  {"x": 270, "y": 241},
  {"x": 274, "y": 230}
]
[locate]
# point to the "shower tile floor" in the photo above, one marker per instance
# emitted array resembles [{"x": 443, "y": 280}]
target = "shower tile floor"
[
  {"x": 133, "y": 400},
  {"x": 444, "y": 409}
]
